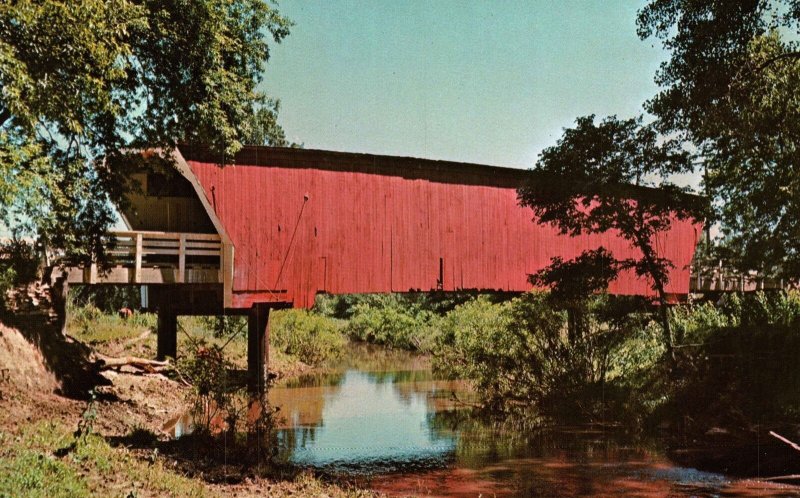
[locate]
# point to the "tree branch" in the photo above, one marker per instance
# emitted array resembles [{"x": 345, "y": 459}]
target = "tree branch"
[
  {"x": 772, "y": 60},
  {"x": 5, "y": 115}
]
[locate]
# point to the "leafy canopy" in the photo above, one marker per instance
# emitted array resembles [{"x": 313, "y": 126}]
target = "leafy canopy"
[
  {"x": 98, "y": 79},
  {"x": 730, "y": 89},
  {"x": 592, "y": 181}
]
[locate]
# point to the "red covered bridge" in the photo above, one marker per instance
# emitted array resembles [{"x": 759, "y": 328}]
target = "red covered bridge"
[{"x": 276, "y": 226}]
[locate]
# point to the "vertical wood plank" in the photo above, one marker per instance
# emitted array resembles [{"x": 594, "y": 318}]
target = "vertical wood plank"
[
  {"x": 182, "y": 259},
  {"x": 138, "y": 258},
  {"x": 167, "y": 334},
  {"x": 226, "y": 265}
]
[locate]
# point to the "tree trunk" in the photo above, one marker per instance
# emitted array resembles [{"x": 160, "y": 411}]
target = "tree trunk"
[{"x": 665, "y": 326}]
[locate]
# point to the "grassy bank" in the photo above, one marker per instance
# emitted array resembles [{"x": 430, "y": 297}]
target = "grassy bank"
[{"x": 49, "y": 460}]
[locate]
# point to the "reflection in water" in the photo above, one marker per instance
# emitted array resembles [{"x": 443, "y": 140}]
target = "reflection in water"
[
  {"x": 385, "y": 418},
  {"x": 363, "y": 424}
]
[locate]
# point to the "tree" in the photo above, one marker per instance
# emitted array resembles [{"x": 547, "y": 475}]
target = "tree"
[
  {"x": 592, "y": 181},
  {"x": 573, "y": 282},
  {"x": 730, "y": 89},
  {"x": 262, "y": 127},
  {"x": 86, "y": 84}
]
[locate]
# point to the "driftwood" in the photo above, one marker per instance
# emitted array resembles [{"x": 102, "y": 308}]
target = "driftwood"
[
  {"x": 783, "y": 439},
  {"x": 144, "y": 364}
]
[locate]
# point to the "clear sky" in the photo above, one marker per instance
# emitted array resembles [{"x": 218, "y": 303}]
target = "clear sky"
[{"x": 489, "y": 82}]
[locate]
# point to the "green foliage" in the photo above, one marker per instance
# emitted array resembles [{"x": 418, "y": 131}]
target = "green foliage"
[
  {"x": 393, "y": 321},
  {"x": 313, "y": 338},
  {"x": 774, "y": 308},
  {"x": 209, "y": 372},
  {"x": 692, "y": 323},
  {"x": 344, "y": 306},
  {"x": 224, "y": 326},
  {"x": 262, "y": 128},
  {"x": 19, "y": 265},
  {"x": 730, "y": 89},
  {"x": 106, "y": 298},
  {"x": 470, "y": 334},
  {"x": 86, "y": 84},
  {"x": 606, "y": 164},
  {"x": 738, "y": 376},
  {"x": 574, "y": 281},
  {"x": 222, "y": 411},
  {"x": 33, "y": 474},
  {"x": 89, "y": 324},
  {"x": 521, "y": 361},
  {"x": 750, "y": 310}
]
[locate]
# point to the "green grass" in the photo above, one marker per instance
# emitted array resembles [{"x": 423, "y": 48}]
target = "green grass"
[
  {"x": 29, "y": 467},
  {"x": 92, "y": 326}
]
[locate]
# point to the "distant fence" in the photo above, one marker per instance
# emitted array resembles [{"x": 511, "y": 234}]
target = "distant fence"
[{"x": 728, "y": 279}]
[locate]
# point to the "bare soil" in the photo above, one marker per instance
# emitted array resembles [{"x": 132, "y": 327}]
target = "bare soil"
[{"x": 47, "y": 376}]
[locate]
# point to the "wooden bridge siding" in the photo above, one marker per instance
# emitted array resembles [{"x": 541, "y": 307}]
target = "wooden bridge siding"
[{"x": 379, "y": 232}]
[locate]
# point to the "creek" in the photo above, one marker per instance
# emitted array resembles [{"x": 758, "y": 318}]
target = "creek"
[{"x": 383, "y": 419}]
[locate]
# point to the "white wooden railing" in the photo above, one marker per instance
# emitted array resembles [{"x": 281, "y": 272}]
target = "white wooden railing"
[
  {"x": 146, "y": 247},
  {"x": 158, "y": 257}
]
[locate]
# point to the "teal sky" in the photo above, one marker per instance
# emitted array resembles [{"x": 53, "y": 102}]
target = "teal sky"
[{"x": 490, "y": 82}]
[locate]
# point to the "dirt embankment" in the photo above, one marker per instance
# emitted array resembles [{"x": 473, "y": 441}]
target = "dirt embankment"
[{"x": 47, "y": 377}]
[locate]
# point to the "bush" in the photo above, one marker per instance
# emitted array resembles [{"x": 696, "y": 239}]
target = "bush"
[
  {"x": 311, "y": 337},
  {"x": 692, "y": 324},
  {"x": 518, "y": 356},
  {"x": 19, "y": 265},
  {"x": 522, "y": 360},
  {"x": 470, "y": 341},
  {"x": 393, "y": 322}
]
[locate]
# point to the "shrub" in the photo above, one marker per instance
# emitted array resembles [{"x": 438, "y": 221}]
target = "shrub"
[
  {"x": 522, "y": 360},
  {"x": 470, "y": 340},
  {"x": 19, "y": 265},
  {"x": 390, "y": 321},
  {"x": 692, "y": 324},
  {"x": 311, "y": 337},
  {"x": 518, "y": 356}
]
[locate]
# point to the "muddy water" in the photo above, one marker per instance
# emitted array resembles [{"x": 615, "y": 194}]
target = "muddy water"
[{"x": 384, "y": 419}]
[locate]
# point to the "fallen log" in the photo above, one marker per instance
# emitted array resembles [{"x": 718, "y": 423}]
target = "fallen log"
[
  {"x": 151, "y": 366},
  {"x": 783, "y": 439}
]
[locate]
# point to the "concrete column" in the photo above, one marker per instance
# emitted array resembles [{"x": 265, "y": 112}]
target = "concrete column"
[
  {"x": 167, "y": 334},
  {"x": 257, "y": 348}
]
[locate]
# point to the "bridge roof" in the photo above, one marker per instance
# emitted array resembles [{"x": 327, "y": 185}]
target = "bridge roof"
[{"x": 403, "y": 166}]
